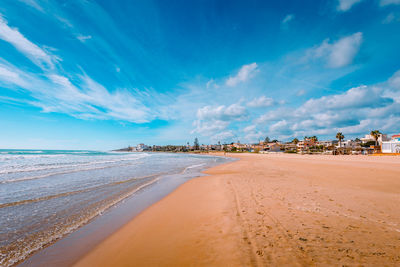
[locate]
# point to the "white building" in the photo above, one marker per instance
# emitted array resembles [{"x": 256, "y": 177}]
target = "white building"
[
  {"x": 368, "y": 138},
  {"x": 349, "y": 144},
  {"x": 141, "y": 147},
  {"x": 392, "y": 146}
]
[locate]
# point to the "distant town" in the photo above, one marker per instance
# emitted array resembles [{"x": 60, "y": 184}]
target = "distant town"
[{"x": 374, "y": 142}]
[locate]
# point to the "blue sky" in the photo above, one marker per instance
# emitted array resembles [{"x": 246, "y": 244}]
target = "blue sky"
[{"x": 86, "y": 74}]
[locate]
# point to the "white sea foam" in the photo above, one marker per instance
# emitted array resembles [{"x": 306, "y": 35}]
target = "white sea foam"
[
  {"x": 69, "y": 191},
  {"x": 49, "y": 165},
  {"x": 27, "y": 178}
]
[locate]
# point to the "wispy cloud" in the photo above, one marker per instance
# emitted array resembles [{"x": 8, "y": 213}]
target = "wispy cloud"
[
  {"x": 38, "y": 55},
  {"x": 84, "y": 38},
  {"x": 261, "y": 101},
  {"x": 34, "y": 4},
  {"x": 224, "y": 113},
  {"x": 208, "y": 128},
  {"x": 389, "y": 2},
  {"x": 87, "y": 100},
  {"x": 340, "y": 53},
  {"x": 245, "y": 73},
  {"x": 223, "y": 137},
  {"x": 10, "y": 77},
  {"x": 75, "y": 94},
  {"x": 345, "y": 5},
  {"x": 286, "y": 20}
]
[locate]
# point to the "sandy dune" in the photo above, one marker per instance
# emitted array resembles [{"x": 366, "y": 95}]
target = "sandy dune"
[{"x": 269, "y": 210}]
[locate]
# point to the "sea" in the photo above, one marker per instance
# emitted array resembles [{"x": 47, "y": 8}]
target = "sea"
[{"x": 47, "y": 194}]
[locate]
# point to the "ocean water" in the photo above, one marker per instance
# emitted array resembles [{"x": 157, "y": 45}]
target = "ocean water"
[{"x": 45, "y": 195}]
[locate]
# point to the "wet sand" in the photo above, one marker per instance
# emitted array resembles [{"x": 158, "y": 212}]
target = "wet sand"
[{"x": 273, "y": 210}]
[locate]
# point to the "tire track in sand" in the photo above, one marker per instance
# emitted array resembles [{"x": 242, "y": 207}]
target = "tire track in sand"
[{"x": 281, "y": 248}]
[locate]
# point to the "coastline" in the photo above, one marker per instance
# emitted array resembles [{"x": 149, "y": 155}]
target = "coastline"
[
  {"x": 68, "y": 249},
  {"x": 268, "y": 210}
]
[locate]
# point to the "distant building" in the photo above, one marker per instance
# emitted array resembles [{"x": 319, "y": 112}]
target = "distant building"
[
  {"x": 306, "y": 144},
  {"x": 240, "y": 146},
  {"x": 350, "y": 144},
  {"x": 328, "y": 143},
  {"x": 392, "y": 146},
  {"x": 275, "y": 147},
  {"x": 142, "y": 147},
  {"x": 369, "y": 138}
]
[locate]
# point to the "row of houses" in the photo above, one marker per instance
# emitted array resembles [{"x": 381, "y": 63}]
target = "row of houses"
[{"x": 365, "y": 145}]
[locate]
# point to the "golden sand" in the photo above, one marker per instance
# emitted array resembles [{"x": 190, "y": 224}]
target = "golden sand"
[{"x": 269, "y": 210}]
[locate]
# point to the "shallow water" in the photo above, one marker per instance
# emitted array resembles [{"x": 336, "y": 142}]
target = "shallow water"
[{"x": 45, "y": 195}]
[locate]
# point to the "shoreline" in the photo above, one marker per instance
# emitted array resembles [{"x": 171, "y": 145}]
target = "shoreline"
[
  {"x": 69, "y": 248},
  {"x": 268, "y": 210}
]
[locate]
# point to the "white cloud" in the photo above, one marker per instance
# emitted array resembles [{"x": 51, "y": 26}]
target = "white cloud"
[
  {"x": 254, "y": 137},
  {"x": 262, "y": 101},
  {"x": 389, "y": 2},
  {"x": 394, "y": 81},
  {"x": 252, "y": 134},
  {"x": 86, "y": 99},
  {"x": 389, "y": 18},
  {"x": 84, "y": 38},
  {"x": 245, "y": 73},
  {"x": 279, "y": 127},
  {"x": 288, "y": 18},
  {"x": 211, "y": 83},
  {"x": 209, "y": 128},
  {"x": 345, "y": 5},
  {"x": 339, "y": 53},
  {"x": 223, "y": 113},
  {"x": 273, "y": 115},
  {"x": 214, "y": 121},
  {"x": 357, "y": 97},
  {"x": 355, "y": 111},
  {"x": 10, "y": 76},
  {"x": 301, "y": 92},
  {"x": 250, "y": 128},
  {"x": 38, "y": 56},
  {"x": 33, "y": 4},
  {"x": 223, "y": 137}
]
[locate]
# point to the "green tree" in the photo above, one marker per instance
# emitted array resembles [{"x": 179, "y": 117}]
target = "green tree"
[
  {"x": 266, "y": 140},
  {"x": 295, "y": 141},
  {"x": 340, "y": 137},
  {"x": 196, "y": 144}
]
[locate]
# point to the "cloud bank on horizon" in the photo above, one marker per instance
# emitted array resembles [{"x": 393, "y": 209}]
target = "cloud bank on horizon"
[{"x": 129, "y": 72}]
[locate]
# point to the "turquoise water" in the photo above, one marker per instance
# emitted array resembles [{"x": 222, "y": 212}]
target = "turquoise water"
[{"x": 46, "y": 194}]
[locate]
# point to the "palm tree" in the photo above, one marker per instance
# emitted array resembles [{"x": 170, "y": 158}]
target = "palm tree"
[
  {"x": 375, "y": 134},
  {"x": 314, "y": 138},
  {"x": 340, "y": 137}
]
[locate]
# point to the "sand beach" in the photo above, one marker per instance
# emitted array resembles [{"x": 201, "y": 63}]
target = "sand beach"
[{"x": 269, "y": 210}]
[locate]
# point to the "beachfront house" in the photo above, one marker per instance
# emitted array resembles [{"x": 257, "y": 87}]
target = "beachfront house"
[
  {"x": 369, "y": 138},
  {"x": 392, "y": 146},
  {"x": 349, "y": 144},
  {"x": 306, "y": 144},
  {"x": 142, "y": 147}
]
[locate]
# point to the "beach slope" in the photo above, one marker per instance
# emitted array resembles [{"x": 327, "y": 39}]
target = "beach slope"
[{"x": 269, "y": 210}]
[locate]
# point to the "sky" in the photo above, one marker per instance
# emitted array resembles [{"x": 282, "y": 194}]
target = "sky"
[{"x": 85, "y": 74}]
